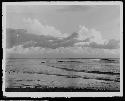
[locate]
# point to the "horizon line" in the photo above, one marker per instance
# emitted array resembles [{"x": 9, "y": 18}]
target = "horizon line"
[{"x": 63, "y": 58}]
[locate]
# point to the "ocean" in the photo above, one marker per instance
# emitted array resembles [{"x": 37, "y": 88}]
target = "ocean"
[{"x": 62, "y": 75}]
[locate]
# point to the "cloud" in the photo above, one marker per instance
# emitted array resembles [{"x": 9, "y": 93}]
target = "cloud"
[
  {"x": 81, "y": 44},
  {"x": 64, "y": 52},
  {"x": 22, "y": 50},
  {"x": 112, "y": 44},
  {"x": 83, "y": 38},
  {"x": 93, "y": 38},
  {"x": 72, "y": 36},
  {"x": 86, "y": 43},
  {"x": 92, "y": 35},
  {"x": 29, "y": 44},
  {"x": 31, "y": 40},
  {"x": 35, "y": 27},
  {"x": 50, "y": 43}
]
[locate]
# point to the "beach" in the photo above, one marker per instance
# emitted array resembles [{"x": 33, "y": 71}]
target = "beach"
[{"x": 70, "y": 75}]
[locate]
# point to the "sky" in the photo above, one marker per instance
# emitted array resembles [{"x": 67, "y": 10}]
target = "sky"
[{"x": 64, "y": 30}]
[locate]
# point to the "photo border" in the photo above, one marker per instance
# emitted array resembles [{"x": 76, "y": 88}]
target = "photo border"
[{"x": 62, "y": 94}]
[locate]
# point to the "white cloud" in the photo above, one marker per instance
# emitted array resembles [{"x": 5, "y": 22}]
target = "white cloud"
[
  {"x": 110, "y": 44},
  {"x": 91, "y": 34},
  {"x": 18, "y": 49},
  {"x": 95, "y": 40},
  {"x": 81, "y": 43},
  {"x": 36, "y": 27},
  {"x": 21, "y": 50},
  {"x": 64, "y": 52}
]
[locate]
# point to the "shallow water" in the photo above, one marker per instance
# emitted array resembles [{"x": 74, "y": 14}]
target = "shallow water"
[{"x": 97, "y": 74}]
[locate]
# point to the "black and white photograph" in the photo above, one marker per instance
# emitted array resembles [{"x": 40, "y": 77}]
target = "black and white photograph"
[{"x": 62, "y": 49}]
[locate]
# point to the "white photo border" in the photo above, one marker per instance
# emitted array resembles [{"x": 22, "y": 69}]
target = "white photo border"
[{"x": 62, "y": 94}]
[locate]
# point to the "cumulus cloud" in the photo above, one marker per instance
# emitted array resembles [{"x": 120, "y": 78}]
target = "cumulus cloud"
[
  {"x": 32, "y": 40},
  {"x": 66, "y": 52},
  {"x": 84, "y": 38},
  {"x": 36, "y": 27},
  {"x": 92, "y": 35},
  {"x": 93, "y": 38},
  {"x": 81, "y": 44},
  {"x": 112, "y": 44},
  {"x": 22, "y": 50},
  {"x": 29, "y": 43}
]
